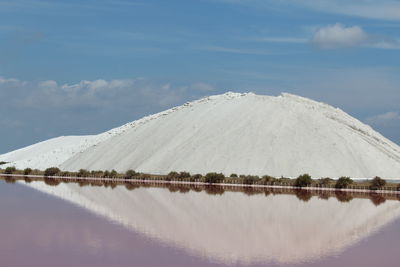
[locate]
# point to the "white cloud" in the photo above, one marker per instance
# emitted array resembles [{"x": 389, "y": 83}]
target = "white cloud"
[
  {"x": 334, "y": 36},
  {"x": 340, "y": 36},
  {"x": 386, "y": 119}
]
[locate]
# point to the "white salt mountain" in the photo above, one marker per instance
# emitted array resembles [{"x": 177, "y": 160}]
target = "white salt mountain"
[{"x": 246, "y": 133}]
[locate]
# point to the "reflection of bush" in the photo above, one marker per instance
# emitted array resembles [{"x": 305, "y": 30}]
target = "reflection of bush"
[
  {"x": 214, "y": 190},
  {"x": 303, "y": 195},
  {"x": 377, "y": 199},
  {"x": 9, "y": 180},
  {"x": 250, "y": 191},
  {"x": 343, "y": 196},
  {"x": 131, "y": 186},
  {"x": 323, "y": 195},
  {"x": 51, "y": 182}
]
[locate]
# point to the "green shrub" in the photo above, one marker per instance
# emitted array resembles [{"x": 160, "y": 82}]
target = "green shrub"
[
  {"x": 113, "y": 174},
  {"x": 284, "y": 180},
  {"x": 233, "y": 175},
  {"x": 83, "y": 173},
  {"x": 214, "y": 178},
  {"x": 325, "y": 181},
  {"x": 303, "y": 180},
  {"x": 377, "y": 183},
  {"x": 96, "y": 173},
  {"x": 343, "y": 182},
  {"x": 106, "y": 174},
  {"x": 197, "y": 177},
  {"x": 51, "y": 171},
  {"x": 183, "y": 175},
  {"x": 172, "y": 175},
  {"x": 249, "y": 179},
  {"x": 10, "y": 170},
  {"x": 130, "y": 174},
  {"x": 27, "y": 171},
  {"x": 266, "y": 179},
  {"x": 3, "y": 162}
]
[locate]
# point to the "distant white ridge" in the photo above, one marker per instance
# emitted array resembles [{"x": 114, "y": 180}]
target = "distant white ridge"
[{"x": 241, "y": 133}]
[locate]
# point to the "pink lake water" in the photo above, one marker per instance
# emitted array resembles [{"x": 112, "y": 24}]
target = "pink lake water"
[{"x": 69, "y": 225}]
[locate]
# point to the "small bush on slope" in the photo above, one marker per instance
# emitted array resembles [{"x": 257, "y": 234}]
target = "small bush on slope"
[
  {"x": 183, "y": 175},
  {"x": 377, "y": 183},
  {"x": 113, "y": 174},
  {"x": 303, "y": 180},
  {"x": 27, "y": 171},
  {"x": 325, "y": 182},
  {"x": 214, "y": 178},
  {"x": 130, "y": 174},
  {"x": 83, "y": 173},
  {"x": 10, "y": 170},
  {"x": 249, "y": 179},
  {"x": 51, "y": 171},
  {"x": 343, "y": 182}
]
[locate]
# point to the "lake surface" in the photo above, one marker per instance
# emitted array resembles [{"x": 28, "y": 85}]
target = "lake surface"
[{"x": 71, "y": 225}]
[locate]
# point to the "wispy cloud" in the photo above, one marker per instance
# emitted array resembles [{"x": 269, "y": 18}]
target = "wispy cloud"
[
  {"x": 385, "y": 119},
  {"x": 288, "y": 40},
  {"x": 232, "y": 50},
  {"x": 373, "y": 9},
  {"x": 84, "y": 107},
  {"x": 94, "y": 94},
  {"x": 83, "y": 7}
]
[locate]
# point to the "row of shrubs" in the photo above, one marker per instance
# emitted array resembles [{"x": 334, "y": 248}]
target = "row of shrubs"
[{"x": 304, "y": 180}]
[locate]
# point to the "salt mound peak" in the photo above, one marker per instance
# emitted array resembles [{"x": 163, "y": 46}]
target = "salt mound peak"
[{"x": 243, "y": 133}]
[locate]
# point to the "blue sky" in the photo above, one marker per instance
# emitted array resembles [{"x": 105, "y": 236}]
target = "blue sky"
[{"x": 82, "y": 67}]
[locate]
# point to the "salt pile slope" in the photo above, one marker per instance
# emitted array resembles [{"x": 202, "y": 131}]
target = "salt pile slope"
[
  {"x": 248, "y": 134},
  {"x": 231, "y": 133}
]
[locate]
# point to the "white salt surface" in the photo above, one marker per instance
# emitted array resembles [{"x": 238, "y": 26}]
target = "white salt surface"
[{"x": 246, "y": 133}]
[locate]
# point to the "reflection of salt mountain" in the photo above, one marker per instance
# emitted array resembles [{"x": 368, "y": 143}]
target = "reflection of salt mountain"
[{"x": 235, "y": 227}]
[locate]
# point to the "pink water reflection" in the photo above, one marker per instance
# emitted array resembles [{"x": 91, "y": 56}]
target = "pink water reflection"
[{"x": 37, "y": 229}]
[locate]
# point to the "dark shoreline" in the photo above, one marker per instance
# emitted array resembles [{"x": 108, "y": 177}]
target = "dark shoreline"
[{"x": 304, "y": 193}]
